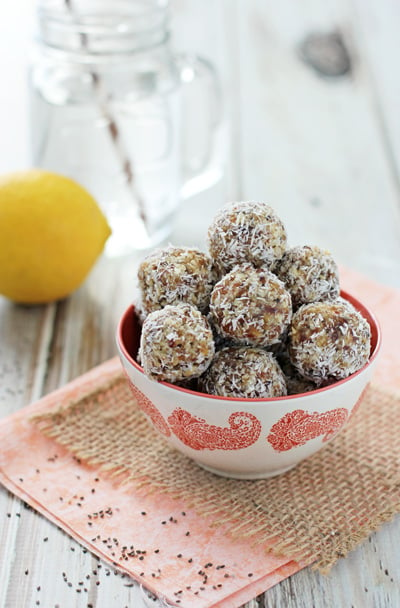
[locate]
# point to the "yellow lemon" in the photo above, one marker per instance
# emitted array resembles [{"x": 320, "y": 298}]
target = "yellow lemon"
[{"x": 51, "y": 233}]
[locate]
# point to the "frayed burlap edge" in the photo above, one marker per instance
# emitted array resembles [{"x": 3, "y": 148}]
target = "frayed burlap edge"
[{"x": 317, "y": 512}]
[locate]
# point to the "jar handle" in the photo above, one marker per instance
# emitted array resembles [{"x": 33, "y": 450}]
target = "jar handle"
[{"x": 202, "y": 132}]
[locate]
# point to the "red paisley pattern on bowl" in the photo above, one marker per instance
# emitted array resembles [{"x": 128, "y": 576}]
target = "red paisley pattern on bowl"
[
  {"x": 244, "y": 430},
  {"x": 299, "y": 426},
  {"x": 149, "y": 409}
]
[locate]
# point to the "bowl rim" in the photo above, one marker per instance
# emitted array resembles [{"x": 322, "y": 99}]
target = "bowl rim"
[{"x": 364, "y": 310}]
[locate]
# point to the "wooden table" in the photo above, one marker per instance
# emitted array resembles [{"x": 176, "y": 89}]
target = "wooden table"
[{"x": 325, "y": 152}]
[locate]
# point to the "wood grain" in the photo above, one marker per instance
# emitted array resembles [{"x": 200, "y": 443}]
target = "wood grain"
[
  {"x": 325, "y": 152},
  {"x": 322, "y": 159}
]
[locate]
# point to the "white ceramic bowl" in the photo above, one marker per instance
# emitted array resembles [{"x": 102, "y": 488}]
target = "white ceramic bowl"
[{"x": 245, "y": 438}]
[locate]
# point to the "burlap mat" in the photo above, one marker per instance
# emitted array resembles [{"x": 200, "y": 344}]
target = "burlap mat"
[{"x": 317, "y": 512}]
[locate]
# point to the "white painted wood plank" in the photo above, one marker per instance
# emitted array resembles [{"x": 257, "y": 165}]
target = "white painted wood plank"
[
  {"x": 25, "y": 335},
  {"x": 202, "y": 28},
  {"x": 378, "y": 32},
  {"x": 313, "y": 146},
  {"x": 15, "y": 42}
]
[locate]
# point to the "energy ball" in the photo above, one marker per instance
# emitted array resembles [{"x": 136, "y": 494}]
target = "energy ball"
[
  {"x": 175, "y": 275},
  {"x": 246, "y": 232},
  {"x": 248, "y": 372},
  {"x": 295, "y": 383},
  {"x": 328, "y": 341},
  {"x": 176, "y": 344},
  {"x": 310, "y": 275},
  {"x": 250, "y": 306},
  {"x": 139, "y": 310}
]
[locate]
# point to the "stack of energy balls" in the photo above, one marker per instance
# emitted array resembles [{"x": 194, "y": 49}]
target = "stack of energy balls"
[{"x": 252, "y": 318}]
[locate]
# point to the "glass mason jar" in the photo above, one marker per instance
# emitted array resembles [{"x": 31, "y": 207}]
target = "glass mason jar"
[{"x": 115, "y": 109}]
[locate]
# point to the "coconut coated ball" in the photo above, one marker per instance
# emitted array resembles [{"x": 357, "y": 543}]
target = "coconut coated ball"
[
  {"x": 246, "y": 232},
  {"x": 328, "y": 341},
  {"x": 250, "y": 306},
  {"x": 247, "y": 372},
  {"x": 174, "y": 275},
  {"x": 176, "y": 344},
  {"x": 310, "y": 275},
  {"x": 295, "y": 383}
]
